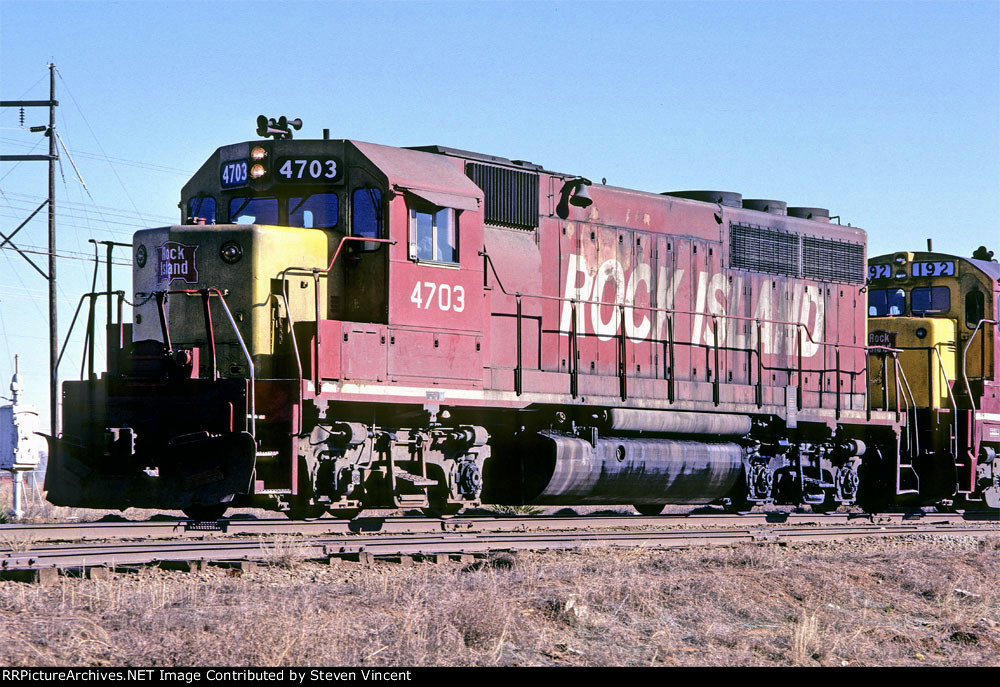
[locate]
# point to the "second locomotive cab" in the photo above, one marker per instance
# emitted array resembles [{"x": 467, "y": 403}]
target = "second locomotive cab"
[
  {"x": 338, "y": 325},
  {"x": 933, "y": 328}
]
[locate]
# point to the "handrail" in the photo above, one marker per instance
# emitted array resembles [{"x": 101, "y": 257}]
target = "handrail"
[
  {"x": 288, "y": 311},
  {"x": 954, "y": 403},
  {"x": 92, "y": 295},
  {"x": 665, "y": 315},
  {"x": 668, "y": 311},
  {"x": 910, "y": 403},
  {"x": 947, "y": 386},
  {"x": 965, "y": 357},
  {"x": 205, "y": 293}
]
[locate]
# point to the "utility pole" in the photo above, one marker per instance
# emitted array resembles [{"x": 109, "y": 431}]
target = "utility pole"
[
  {"x": 53, "y": 305},
  {"x": 52, "y": 158}
]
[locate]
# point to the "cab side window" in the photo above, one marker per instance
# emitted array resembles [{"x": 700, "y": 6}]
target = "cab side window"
[
  {"x": 433, "y": 234},
  {"x": 366, "y": 213},
  {"x": 975, "y": 308}
]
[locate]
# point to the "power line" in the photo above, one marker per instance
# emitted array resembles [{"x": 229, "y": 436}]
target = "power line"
[
  {"x": 98, "y": 141},
  {"x": 85, "y": 218},
  {"x": 122, "y": 161},
  {"x": 103, "y": 208},
  {"x": 71, "y": 255}
]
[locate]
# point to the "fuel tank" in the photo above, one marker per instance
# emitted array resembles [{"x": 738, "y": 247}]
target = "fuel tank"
[
  {"x": 564, "y": 469},
  {"x": 667, "y": 422}
]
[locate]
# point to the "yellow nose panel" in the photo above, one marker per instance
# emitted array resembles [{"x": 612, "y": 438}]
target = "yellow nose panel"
[{"x": 927, "y": 360}]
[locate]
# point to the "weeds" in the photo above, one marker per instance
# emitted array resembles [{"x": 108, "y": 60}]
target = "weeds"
[
  {"x": 284, "y": 551},
  {"x": 17, "y": 543},
  {"x": 805, "y": 639},
  {"x": 513, "y": 510}
]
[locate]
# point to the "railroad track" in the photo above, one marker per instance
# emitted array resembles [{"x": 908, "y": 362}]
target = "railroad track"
[
  {"x": 185, "y": 527},
  {"x": 461, "y": 537}
]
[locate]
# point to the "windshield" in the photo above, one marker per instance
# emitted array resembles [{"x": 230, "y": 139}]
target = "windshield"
[
  {"x": 882, "y": 302},
  {"x": 253, "y": 210},
  {"x": 316, "y": 211},
  {"x": 931, "y": 299}
]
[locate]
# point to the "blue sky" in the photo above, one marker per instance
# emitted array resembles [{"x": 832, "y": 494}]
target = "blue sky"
[{"x": 887, "y": 113}]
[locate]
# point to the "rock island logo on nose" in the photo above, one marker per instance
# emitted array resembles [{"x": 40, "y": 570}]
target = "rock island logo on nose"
[{"x": 177, "y": 262}]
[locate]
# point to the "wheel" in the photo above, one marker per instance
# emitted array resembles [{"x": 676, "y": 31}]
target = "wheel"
[
  {"x": 649, "y": 508},
  {"x": 345, "y": 513},
  {"x": 738, "y": 505},
  {"x": 828, "y": 505},
  {"x": 303, "y": 510},
  {"x": 441, "y": 510},
  {"x": 206, "y": 513}
]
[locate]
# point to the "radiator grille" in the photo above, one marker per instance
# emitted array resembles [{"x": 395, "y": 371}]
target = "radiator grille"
[
  {"x": 786, "y": 253},
  {"x": 832, "y": 260},
  {"x": 511, "y": 196}
]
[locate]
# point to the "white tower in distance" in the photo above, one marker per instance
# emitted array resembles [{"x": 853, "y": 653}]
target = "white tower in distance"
[{"x": 19, "y": 445}]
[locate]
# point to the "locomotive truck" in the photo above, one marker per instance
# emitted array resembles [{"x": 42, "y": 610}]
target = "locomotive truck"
[{"x": 337, "y": 325}]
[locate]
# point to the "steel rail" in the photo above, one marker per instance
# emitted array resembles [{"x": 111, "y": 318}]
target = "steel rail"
[
  {"x": 234, "y": 549},
  {"x": 183, "y": 527}
]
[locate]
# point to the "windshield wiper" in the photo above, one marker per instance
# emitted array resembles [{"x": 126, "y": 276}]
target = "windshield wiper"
[
  {"x": 246, "y": 202},
  {"x": 301, "y": 203}
]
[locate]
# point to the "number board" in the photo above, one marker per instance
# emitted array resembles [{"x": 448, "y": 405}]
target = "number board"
[
  {"x": 307, "y": 170},
  {"x": 879, "y": 271},
  {"x": 933, "y": 269},
  {"x": 235, "y": 173}
]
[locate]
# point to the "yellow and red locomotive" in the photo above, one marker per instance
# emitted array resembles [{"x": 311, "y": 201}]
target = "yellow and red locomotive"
[
  {"x": 338, "y": 325},
  {"x": 938, "y": 314}
]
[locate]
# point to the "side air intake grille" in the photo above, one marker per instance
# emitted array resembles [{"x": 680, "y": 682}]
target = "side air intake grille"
[
  {"x": 763, "y": 250},
  {"x": 832, "y": 260},
  {"x": 781, "y": 252},
  {"x": 511, "y": 195}
]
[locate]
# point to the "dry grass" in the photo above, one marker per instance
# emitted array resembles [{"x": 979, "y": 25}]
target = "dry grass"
[
  {"x": 284, "y": 551},
  {"x": 915, "y": 601},
  {"x": 900, "y": 602}
]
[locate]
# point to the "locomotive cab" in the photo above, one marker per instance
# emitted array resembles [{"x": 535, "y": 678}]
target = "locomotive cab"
[{"x": 275, "y": 286}]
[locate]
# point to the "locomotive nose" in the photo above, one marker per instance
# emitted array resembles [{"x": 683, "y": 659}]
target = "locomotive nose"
[{"x": 248, "y": 266}]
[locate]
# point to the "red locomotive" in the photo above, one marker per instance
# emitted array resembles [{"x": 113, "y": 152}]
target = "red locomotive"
[{"x": 339, "y": 325}]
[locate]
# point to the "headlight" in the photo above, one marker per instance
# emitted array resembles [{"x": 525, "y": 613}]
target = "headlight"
[
  {"x": 140, "y": 255},
  {"x": 921, "y": 332},
  {"x": 258, "y": 154},
  {"x": 231, "y": 252},
  {"x": 257, "y": 171}
]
